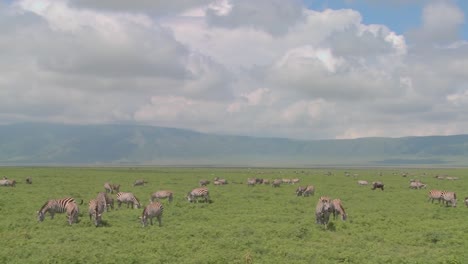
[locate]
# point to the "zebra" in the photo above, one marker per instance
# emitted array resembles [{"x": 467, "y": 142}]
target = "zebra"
[
  {"x": 54, "y": 206},
  {"x": 93, "y": 211},
  {"x": 7, "y": 182},
  {"x": 28, "y": 180},
  {"x": 338, "y": 209},
  {"x": 203, "y": 183},
  {"x": 361, "y": 182},
  {"x": 128, "y": 198},
  {"x": 152, "y": 210},
  {"x": 322, "y": 210},
  {"x": 295, "y": 180},
  {"x": 276, "y": 183},
  {"x": 466, "y": 201},
  {"x": 309, "y": 190},
  {"x": 108, "y": 187},
  {"x": 377, "y": 185},
  {"x": 162, "y": 195},
  {"x": 435, "y": 195},
  {"x": 198, "y": 192},
  {"x": 300, "y": 190},
  {"x": 139, "y": 182},
  {"x": 449, "y": 197},
  {"x": 72, "y": 213},
  {"x": 251, "y": 182},
  {"x": 417, "y": 185}
]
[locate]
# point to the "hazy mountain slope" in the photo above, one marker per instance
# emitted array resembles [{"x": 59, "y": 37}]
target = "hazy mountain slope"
[{"x": 128, "y": 144}]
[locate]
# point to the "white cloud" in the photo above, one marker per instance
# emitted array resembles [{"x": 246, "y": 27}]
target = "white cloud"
[{"x": 218, "y": 66}]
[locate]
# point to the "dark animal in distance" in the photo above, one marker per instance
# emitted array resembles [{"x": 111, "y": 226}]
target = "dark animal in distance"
[{"x": 377, "y": 185}]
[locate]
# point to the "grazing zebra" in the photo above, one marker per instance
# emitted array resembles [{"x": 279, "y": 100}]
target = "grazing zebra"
[
  {"x": 338, "y": 209},
  {"x": 139, "y": 182},
  {"x": 108, "y": 187},
  {"x": 197, "y": 193},
  {"x": 152, "y": 210},
  {"x": 300, "y": 190},
  {"x": 28, "y": 180},
  {"x": 6, "y": 182},
  {"x": 102, "y": 201},
  {"x": 294, "y": 181},
  {"x": 435, "y": 195},
  {"x": 449, "y": 197},
  {"x": 219, "y": 181},
  {"x": 276, "y": 183},
  {"x": 128, "y": 198},
  {"x": 417, "y": 185},
  {"x": 288, "y": 181},
  {"x": 162, "y": 195},
  {"x": 72, "y": 213},
  {"x": 54, "y": 206},
  {"x": 251, "y": 182},
  {"x": 93, "y": 211},
  {"x": 266, "y": 181},
  {"x": 377, "y": 185},
  {"x": 203, "y": 183},
  {"x": 362, "y": 182},
  {"x": 309, "y": 190},
  {"x": 323, "y": 210}
]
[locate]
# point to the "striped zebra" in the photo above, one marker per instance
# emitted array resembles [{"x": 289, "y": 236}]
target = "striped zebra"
[
  {"x": 197, "y": 193},
  {"x": 139, "y": 182},
  {"x": 108, "y": 187},
  {"x": 251, "y": 182},
  {"x": 309, "y": 190},
  {"x": 93, "y": 211},
  {"x": 54, "y": 206},
  {"x": 338, "y": 209},
  {"x": 300, "y": 190},
  {"x": 7, "y": 182},
  {"x": 323, "y": 210},
  {"x": 276, "y": 183},
  {"x": 435, "y": 195},
  {"x": 449, "y": 198},
  {"x": 72, "y": 213},
  {"x": 152, "y": 210},
  {"x": 162, "y": 195},
  {"x": 128, "y": 198}
]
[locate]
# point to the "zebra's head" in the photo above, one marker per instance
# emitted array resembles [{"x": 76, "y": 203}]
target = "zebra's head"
[
  {"x": 40, "y": 216},
  {"x": 97, "y": 219},
  {"x": 189, "y": 197},
  {"x": 136, "y": 204}
]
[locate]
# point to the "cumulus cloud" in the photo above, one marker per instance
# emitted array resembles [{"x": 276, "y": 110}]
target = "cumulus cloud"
[{"x": 261, "y": 68}]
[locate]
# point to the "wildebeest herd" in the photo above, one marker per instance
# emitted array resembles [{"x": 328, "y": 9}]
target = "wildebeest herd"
[{"x": 104, "y": 202}]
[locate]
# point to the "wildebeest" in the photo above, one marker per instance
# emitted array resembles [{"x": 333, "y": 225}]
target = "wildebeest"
[
  {"x": 377, "y": 185},
  {"x": 323, "y": 210}
]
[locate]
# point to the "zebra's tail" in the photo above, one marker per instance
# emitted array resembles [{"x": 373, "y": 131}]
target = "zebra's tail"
[{"x": 81, "y": 202}]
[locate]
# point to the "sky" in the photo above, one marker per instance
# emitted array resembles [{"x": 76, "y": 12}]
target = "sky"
[{"x": 269, "y": 68}]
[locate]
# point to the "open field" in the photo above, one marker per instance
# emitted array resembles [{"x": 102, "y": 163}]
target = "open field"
[{"x": 259, "y": 224}]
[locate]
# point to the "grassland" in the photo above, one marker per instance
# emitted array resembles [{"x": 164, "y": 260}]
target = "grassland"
[{"x": 244, "y": 224}]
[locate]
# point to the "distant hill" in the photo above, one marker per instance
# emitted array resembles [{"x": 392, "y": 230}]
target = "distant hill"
[{"x": 52, "y": 144}]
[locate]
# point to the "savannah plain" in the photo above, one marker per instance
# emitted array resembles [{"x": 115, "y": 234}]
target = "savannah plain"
[{"x": 243, "y": 224}]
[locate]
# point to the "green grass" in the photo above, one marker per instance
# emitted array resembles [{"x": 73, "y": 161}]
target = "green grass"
[{"x": 244, "y": 224}]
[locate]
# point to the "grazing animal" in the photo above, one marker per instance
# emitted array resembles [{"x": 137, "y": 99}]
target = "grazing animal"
[
  {"x": 115, "y": 188},
  {"x": 152, "y": 210},
  {"x": 294, "y": 181},
  {"x": 323, "y": 210},
  {"x": 276, "y": 183},
  {"x": 449, "y": 197},
  {"x": 218, "y": 181},
  {"x": 377, "y": 185},
  {"x": 54, "y": 206},
  {"x": 9, "y": 183},
  {"x": 72, "y": 213},
  {"x": 286, "y": 181},
  {"x": 300, "y": 190},
  {"x": 466, "y": 201},
  {"x": 139, "y": 182},
  {"x": 28, "y": 180},
  {"x": 417, "y": 185},
  {"x": 129, "y": 199},
  {"x": 198, "y": 193},
  {"x": 435, "y": 195},
  {"x": 93, "y": 211},
  {"x": 251, "y": 182},
  {"x": 309, "y": 190},
  {"x": 338, "y": 209},
  {"x": 203, "y": 183},
  {"x": 108, "y": 187},
  {"x": 162, "y": 195},
  {"x": 362, "y": 182}
]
